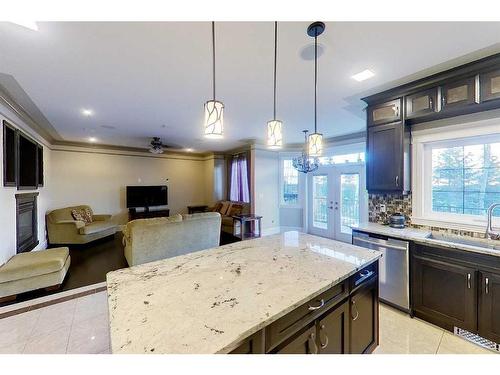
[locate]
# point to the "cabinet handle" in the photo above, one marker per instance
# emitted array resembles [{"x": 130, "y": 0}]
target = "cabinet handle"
[
  {"x": 487, "y": 285},
  {"x": 357, "y": 312},
  {"x": 396, "y": 110},
  {"x": 312, "y": 344},
  {"x": 430, "y": 102},
  {"x": 323, "y": 346},
  {"x": 321, "y": 304},
  {"x": 443, "y": 100},
  {"x": 468, "y": 280},
  {"x": 397, "y": 180}
]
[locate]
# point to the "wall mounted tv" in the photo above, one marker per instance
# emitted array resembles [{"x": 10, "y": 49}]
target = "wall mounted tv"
[{"x": 146, "y": 196}]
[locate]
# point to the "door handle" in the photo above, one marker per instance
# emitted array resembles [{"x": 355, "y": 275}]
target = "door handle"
[
  {"x": 323, "y": 346},
  {"x": 312, "y": 344},
  {"x": 487, "y": 285},
  {"x": 357, "y": 312},
  {"x": 468, "y": 281}
]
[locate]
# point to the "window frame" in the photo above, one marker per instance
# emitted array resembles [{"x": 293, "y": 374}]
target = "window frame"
[
  {"x": 282, "y": 204},
  {"x": 423, "y": 142}
]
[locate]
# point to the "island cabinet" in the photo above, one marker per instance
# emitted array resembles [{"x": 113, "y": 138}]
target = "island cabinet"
[
  {"x": 342, "y": 320},
  {"x": 455, "y": 288}
]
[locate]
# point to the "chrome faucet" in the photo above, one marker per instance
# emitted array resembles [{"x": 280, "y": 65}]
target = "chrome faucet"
[{"x": 489, "y": 227}]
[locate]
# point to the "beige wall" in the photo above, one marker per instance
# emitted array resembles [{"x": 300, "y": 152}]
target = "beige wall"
[
  {"x": 99, "y": 179},
  {"x": 265, "y": 188},
  {"x": 7, "y": 194}
]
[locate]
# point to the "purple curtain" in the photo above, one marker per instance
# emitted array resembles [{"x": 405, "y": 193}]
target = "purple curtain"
[{"x": 239, "y": 179}]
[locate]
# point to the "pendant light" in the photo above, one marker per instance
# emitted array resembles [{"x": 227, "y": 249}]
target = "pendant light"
[
  {"x": 275, "y": 127},
  {"x": 315, "y": 139},
  {"x": 214, "y": 109}
]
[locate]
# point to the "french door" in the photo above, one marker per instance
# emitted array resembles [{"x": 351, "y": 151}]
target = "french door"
[{"x": 337, "y": 200}]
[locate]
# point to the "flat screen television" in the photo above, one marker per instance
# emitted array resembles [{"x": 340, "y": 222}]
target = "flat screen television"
[{"x": 146, "y": 196}]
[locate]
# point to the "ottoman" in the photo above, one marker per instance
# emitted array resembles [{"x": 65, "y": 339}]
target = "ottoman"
[{"x": 33, "y": 270}]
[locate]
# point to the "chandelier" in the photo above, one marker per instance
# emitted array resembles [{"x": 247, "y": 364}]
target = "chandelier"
[{"x": 305, "y": 163}]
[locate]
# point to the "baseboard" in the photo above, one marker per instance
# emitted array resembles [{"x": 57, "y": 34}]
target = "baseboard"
[
  {"x": 270, "y": 231},
  {"x": 288, "y": 229}
]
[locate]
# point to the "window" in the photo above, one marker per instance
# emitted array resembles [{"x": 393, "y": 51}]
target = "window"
[
  {"x": 290, "y": 184},
  {"x": 456, "y": 175},
  {"x": 466, "y": 178},
  {"x": 357, "y": 157}
]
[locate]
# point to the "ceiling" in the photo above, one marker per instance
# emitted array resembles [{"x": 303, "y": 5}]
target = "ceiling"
[{"x": 151, "y": 79}]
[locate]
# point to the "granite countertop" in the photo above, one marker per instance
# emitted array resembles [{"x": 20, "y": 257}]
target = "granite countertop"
[
  {"x": 208, "y": 301},
  {"x": 484, "y": 246}
]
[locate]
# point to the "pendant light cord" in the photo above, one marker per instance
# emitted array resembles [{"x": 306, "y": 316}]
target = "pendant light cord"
[
  {"x": 275, "y": 60},
  {"x": 213, "y": 56},
  {"x": 315, "y": 78}
]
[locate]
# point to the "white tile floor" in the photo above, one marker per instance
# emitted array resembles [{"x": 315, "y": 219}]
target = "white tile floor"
[{"x": 81, "y": 326}]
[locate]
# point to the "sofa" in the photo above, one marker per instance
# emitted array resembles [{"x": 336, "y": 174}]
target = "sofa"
[
  {"x": 148, "y": 240},
  {"x": 228, "y": 209},
  {"x": 62, "y": 228}
]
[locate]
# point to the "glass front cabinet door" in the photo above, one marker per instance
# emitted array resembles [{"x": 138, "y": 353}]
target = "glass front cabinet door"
[
  {"x": 490, "y": 85},
  {"x": 458, "y": 93},
  {"x": 421, "y": 103},
  {"x": 384, "y": 113}
]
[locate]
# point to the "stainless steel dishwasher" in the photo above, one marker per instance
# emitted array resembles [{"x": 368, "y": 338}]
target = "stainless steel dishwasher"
[{"x": 394, "y": 267}]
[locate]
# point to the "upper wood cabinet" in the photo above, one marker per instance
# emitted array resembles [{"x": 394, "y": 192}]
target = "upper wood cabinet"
[
  {"x": 422, "y": 103},
  {"x": 10, "y": 156},
  {"x": 385, "y": 113},
  {"x": 458, "y": 93},
  {"x": 490, "y": 85}
]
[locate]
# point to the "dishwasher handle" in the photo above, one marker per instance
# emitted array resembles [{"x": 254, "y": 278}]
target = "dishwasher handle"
[{"x": 378, "y": 243}]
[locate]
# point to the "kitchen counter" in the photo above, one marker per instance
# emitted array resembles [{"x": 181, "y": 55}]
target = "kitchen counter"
[
  {"x": 208, "y": 301},
  {"x": 422, "y": 236}
]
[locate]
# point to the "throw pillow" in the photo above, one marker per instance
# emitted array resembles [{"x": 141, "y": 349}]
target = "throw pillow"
[
  {"x": 225, "y": 207},
  {"x": 82, "y": 214},
  {"x": 217, "y": 207},
  {"x": 236, "y": 209}
]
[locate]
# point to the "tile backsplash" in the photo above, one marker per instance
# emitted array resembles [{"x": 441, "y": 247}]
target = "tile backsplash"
[{"x": 399, "y": 203}]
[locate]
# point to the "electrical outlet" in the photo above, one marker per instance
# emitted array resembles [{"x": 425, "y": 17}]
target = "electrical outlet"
[{"x": 382, "y": 208}]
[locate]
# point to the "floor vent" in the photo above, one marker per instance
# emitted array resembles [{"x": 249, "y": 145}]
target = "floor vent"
[{"x": 476, "y": 339}]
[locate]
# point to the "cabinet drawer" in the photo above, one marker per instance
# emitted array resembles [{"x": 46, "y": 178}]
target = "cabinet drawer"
[
  {"x": 363, "y": 276},
  {"x": 298, "y": 318}
]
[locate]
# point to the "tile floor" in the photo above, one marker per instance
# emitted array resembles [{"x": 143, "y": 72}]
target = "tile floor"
[{"x": 81, "y": 326}]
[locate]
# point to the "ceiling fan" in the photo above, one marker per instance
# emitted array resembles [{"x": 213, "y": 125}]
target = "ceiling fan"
[{"x": 156, "y": 146}]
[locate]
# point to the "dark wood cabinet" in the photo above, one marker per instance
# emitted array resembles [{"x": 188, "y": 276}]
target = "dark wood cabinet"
[
  {"x": 303, "y": 343},
  {"x": 385, "y": 113},
  {"x": 489, "y": 306},
  {"x": 458, "y": 94},
  {"x": 490, "y": 85},
  {"x": 333, "y": 331},
  {"x": 387, "y": 162},
  {"x": 363, "y": 336},
  {"x": 422, "y": 103},
  {"x": 444, "y": 293},
  {"x": 252, "y": 345}
]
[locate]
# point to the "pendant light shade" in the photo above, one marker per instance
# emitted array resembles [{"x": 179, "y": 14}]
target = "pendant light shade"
[
  {"x": 214, "y": 119},
  {"x": 315, "y": 139},
  {"x": 315, "y": 144},
  {"x": 214, "y": 109},
  {"x": 275, "y": 127},
  {"x": 274, "y": 134}
]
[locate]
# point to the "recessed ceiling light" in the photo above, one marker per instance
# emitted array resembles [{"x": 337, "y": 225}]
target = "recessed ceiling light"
[
  {"x": 364, "y": 75},
  {"x": 28, "y": 24},
  {"x": 87, "y": 112},
  {"x": 188, "y": 149},
  {"x": 92, "y": 139}
]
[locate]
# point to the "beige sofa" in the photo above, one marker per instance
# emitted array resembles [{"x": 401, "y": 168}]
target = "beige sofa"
[
  {"x": 228, "y": 209},
  {"x": 62, "y": 228},
  {"x": 147, "y": 240}
]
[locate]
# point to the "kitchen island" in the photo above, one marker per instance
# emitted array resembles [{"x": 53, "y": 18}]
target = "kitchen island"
[{"x": 281, "y": 293}]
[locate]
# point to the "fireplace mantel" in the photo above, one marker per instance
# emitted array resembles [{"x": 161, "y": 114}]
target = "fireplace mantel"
[{"x": 26, "y": 222}]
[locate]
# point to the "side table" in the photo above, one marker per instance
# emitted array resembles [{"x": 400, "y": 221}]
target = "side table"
[{"x": 249, "y": 218}]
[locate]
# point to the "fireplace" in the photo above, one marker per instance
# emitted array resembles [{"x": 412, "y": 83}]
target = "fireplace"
[{"x": 26, "y": 222}]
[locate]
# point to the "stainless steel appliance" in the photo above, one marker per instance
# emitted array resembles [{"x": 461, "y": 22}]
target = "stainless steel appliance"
[{"x": 394, "y": 267}]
